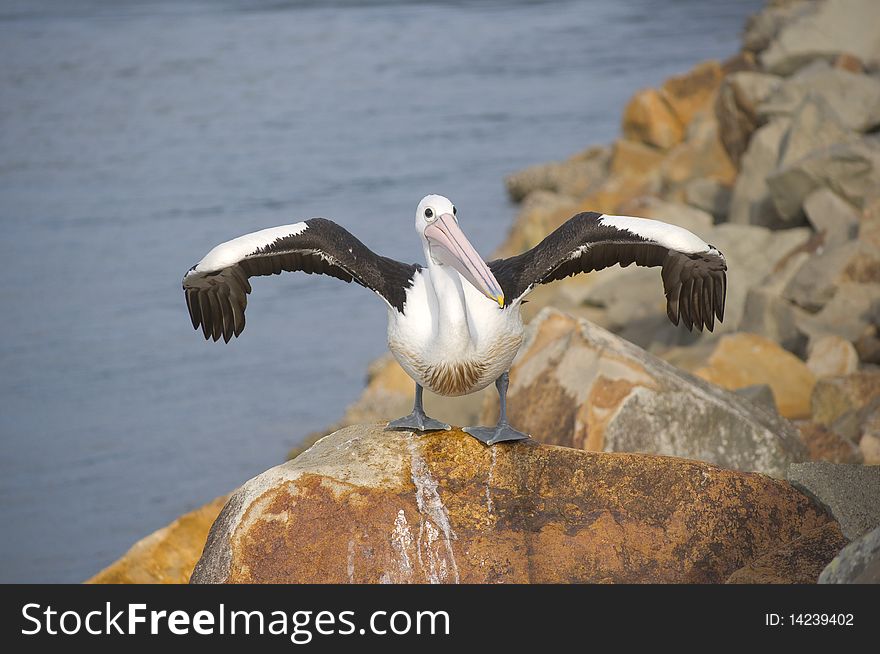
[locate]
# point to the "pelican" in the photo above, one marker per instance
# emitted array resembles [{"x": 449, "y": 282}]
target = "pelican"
[{"x": 454, "y": 324}]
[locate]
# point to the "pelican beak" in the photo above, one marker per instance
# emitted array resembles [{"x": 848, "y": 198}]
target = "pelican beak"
[{"x": 450, "y": 246}]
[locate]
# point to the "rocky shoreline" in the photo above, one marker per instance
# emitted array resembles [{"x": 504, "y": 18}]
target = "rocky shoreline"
[{"x": 773, "y": 156}]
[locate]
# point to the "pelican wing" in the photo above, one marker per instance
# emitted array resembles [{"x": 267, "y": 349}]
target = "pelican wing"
[
  {"x": 216, "y": 288},
  {"x": 694, "y": 273}
]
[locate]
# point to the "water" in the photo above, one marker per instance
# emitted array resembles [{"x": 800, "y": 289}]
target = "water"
[{"x": 136, "y": 135}]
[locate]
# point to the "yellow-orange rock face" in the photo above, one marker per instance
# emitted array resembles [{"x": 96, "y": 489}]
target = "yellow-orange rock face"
[
  {"x": 743, "y": 359},
  {"x": 369, "y": 506}
]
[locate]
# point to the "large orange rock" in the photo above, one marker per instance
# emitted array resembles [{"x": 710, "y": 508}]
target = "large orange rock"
[
  {"x": 368, "y": 506},
  {"x": 649, "y": 119},
  {"x": 692, "y": 92},
  {"x": 168, "y": 555},
  {"x": 745, "y": 359},
  {"x": 576, "y": 384}
]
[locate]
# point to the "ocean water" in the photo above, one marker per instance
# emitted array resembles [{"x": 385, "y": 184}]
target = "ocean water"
[{"x": 135, "y": 135}]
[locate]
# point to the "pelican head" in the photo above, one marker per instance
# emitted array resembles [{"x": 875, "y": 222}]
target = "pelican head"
[{"x": 446, "y": 245}]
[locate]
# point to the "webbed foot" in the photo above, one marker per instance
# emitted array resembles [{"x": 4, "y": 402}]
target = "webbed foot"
[
  {"x": 497, "y": 434},
  {"x": 416, "y": 422}
]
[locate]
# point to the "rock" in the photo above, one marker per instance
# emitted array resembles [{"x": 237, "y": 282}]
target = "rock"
[
  {"x": 814, "y": 125},
  {"x": 368, "y": 506},
  {"x": 762, "y": 27},
  {"x": 852, "y": 170},
  {"x": 708, "y": 195},
  {"x": 869, "y": 447},
  {"x": 849, "y": 63},
  {"x": 168, "y": 555},
  {"x": 634, "y": 158},
  {"x": 540, "y": 214},
  {"x": 578, "y": 385},
  {"x": 850, "y": 492},
  {"x": 736, "y": 108},
  {"x": 701, "y": 155},
  {"x": 825, "y": 30},
  {"x": 799, "y": 562},
  {"x": 826, "y": 445},
  {"x": 831, "y": 216},
  {"x": 832, "y": 356},
  {"x": 574, "y": 177},
  {"x": 760, "y": 394},
  {"x": 853, "y": 98},
  {"x": 857, "y": 563},
  {"x": 648, "y": 119},
  {"x": 819, "y": 279},
  {"x": 768, "y": 315},
  {"x": 746, "y": 359},
  {"x": 833, "y": 397},
  {"x": 848, "y": 314},
  {"x": 692, "y": 92},
  {"x": 750, "y": 203}
]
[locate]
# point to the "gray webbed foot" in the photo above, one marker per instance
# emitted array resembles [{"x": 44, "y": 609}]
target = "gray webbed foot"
[
  {"x": 416, "y": 422},
  {"x": 497, "y": 434}
]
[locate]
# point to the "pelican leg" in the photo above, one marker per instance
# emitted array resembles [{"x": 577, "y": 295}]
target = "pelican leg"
[
  {"x": 501, "y": 431},
  {"x": 417, "y": 420}
]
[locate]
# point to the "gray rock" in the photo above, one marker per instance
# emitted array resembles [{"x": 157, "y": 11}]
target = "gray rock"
[
  {"x": 750, "y": 203},
  {"x": 769, "y": 315},
  {"x": 708, "y": 195},
  {"x": 848, "y": 314},
  {"x": 852, "y": 170},
  {"x": 854, "y": 98},
  {"x": 857, "y": 563},
  {"x": 831, "y": 216},
  {"x": 598, "y": 391},
  {"x": 824, "y": 30},
  {"x": 762, "y": 27},
  {"x": 760, "y": 394},
  {"x": 736, "y": 108},
  {"x": 816, "y": 281},
  {"x": 851, "y": 492},
  {"x": 814, "y": 125},
  {"x": 573, "y": 177}
]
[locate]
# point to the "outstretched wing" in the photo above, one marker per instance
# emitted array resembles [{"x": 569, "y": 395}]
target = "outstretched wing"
[
  {"x": 216, "y": 288},
  {"x": 694, "y": 273}
]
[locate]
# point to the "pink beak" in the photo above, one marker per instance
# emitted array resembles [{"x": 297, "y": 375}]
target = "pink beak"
[{"x": 450, "y": 246}]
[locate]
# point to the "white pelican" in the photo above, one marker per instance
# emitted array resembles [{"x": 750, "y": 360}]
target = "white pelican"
[{"x": 454, "y": 325}]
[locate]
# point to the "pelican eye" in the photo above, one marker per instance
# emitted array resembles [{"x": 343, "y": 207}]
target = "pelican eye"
[{"x": 429, "y": 214}]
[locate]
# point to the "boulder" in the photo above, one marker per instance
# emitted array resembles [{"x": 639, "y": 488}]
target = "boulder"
[
  {"x": 708, "y": 195},
  {"x": 368, "y": 506},
  {"x": 700, "y": 155},
  {"x": 857, "y": 563},
  {"x": 814, "y": 125},
  {"x": 573, "y": 177},
  {"x": 824, "y": 30},
  {"x": 850, "y": 169},
  {"x": 168, "y": 555},
  {"x": 799, "y": 562},
  {"x": 761, "y": 28},
  {"x": 825, "y": 444},
  {"x": 854, "y": 98},
  {"x": 831, "y": 356},
  {"x": 849, "y": 314},
  {"x": 578, "y": 385},
  {"x": 834, "y": 397},
  {"x": 634, "y": 158},
  {"x": 760, "y": 394},
  {"x": 850, "y": 492},
  {"x": 869, "y": 448},
  {"x": 736, "y": 108},
  {"x": 750, "y": 203},
  {"x": 744, "y": 359},
  {"x": 836, "y": 219},
  {"x": 693, "y": 92},
  {"x": 648, "y": 119},
  {"x": 819, "y": 279},
  {"x": 767, "y": 314}
]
